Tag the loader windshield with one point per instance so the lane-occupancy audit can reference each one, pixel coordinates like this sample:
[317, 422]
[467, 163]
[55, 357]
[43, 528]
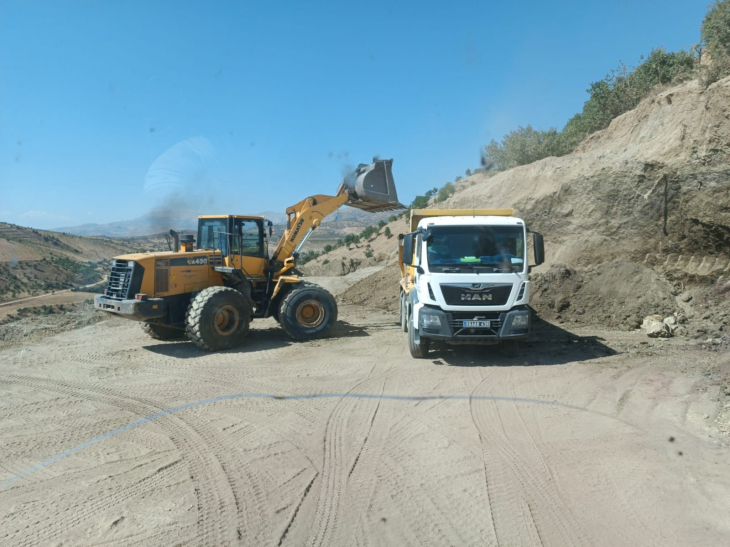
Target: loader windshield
[485, 248]
[207, 228]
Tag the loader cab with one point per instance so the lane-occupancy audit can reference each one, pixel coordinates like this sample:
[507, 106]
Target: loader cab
[233, 234]
[240, 240]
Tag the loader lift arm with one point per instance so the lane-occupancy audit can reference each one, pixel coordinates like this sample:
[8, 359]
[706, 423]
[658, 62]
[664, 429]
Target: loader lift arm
[369, 188]
[302, 219]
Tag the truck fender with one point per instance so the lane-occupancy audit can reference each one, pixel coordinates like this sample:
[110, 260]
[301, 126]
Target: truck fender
[412, 299]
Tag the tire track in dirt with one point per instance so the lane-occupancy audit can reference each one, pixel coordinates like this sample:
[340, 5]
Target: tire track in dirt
[331, 508]
[518, 489]
[98, 499]
[212, 484]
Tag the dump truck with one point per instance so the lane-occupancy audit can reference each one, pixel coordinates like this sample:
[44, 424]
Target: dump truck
[210, 289]
[465, 278]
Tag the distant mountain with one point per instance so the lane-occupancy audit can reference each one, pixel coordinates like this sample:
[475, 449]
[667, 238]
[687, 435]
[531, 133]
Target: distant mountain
[151, 223]
[161, 221]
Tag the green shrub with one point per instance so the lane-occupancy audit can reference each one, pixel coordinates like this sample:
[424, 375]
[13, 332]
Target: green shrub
[308, 256]
[381, 224]
[368, 253]
[392, 218]
[620, 91]
[387, 232]
[351, 239]
[715, 33]
[447, 190]
[368, 232]
[325, 262]
[328, 248]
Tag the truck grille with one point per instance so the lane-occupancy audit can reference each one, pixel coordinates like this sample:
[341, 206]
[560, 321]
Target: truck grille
[477, 294]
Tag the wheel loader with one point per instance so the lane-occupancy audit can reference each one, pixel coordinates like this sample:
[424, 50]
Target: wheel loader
[210, 292]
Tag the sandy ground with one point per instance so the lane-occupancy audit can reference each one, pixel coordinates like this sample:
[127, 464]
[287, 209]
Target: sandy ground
[108, 437]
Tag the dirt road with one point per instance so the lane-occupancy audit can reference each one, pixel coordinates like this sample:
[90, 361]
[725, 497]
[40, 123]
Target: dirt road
[109, 437]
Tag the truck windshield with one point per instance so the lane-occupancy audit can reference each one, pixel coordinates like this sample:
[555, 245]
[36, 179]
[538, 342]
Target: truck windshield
[486, 248]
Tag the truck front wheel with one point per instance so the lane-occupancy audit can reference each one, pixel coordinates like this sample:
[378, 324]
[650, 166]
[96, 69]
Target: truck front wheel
[419, 346]
[218, 318]
[511, 348]
[307, 312]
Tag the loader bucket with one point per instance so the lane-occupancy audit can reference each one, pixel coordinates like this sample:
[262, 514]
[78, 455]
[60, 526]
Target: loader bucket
[371, 187]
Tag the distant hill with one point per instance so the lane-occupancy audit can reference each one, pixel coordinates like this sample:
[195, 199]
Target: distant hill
[38, 261]
[161, 221]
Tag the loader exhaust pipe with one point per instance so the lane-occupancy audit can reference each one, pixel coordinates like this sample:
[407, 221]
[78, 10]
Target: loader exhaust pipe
[371, 187]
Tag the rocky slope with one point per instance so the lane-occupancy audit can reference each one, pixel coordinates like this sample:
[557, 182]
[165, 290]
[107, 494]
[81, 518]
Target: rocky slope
[654, 188]
[636, 220]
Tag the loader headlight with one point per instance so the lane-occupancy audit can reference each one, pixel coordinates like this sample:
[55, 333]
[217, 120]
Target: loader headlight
[520, 321]
[431, 321]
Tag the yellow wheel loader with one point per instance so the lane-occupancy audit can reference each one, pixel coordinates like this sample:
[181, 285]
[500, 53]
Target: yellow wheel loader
[210, 292]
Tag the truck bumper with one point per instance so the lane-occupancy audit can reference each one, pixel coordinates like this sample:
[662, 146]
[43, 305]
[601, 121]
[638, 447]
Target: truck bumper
[510, 325]
[132, 309]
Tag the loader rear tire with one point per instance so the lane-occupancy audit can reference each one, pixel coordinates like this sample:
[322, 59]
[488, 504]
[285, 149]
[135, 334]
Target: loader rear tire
[307, 312]
[418, 346]
[163, 332]
[218, 318]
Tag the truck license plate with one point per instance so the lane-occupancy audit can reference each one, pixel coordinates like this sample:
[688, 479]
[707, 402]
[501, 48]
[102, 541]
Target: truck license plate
[477, 324]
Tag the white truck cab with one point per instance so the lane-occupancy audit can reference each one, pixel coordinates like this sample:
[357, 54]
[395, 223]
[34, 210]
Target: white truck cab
[465, 278]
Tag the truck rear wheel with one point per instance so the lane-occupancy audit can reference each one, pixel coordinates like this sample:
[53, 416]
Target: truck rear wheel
[307, 312]
[218, 318]
[419, 346]
[511, 348]
[163, 332]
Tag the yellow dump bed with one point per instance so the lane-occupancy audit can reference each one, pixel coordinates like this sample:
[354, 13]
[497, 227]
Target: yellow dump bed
[418, 214]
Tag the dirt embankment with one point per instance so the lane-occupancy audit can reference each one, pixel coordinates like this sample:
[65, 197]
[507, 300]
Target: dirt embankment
[653, 188]
[637, 220]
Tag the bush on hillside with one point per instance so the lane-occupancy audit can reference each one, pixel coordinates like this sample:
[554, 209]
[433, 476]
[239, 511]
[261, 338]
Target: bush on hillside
[620, 91]
[447, 190]
[716, 41]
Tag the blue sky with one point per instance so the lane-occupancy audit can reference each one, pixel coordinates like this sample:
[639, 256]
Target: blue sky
[107, 108]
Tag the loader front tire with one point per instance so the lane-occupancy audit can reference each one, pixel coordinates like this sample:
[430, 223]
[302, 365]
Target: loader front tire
[307, 312]
[162, 332]
[218, 318]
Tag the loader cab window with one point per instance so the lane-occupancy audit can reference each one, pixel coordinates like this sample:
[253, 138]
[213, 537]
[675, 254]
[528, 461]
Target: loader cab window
[251, 240]
[207, 229]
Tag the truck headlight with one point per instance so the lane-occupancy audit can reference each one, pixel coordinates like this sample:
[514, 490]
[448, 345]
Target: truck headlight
[520, 321]
[430, 321]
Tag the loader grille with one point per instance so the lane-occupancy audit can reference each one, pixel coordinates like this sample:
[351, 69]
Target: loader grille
[124, 280]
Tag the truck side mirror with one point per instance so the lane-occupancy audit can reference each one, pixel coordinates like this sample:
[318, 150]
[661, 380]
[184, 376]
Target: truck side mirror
[271, 227]
[408, 249]
[539, 246]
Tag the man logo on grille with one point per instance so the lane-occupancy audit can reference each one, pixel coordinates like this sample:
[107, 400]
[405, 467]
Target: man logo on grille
[477, 296]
